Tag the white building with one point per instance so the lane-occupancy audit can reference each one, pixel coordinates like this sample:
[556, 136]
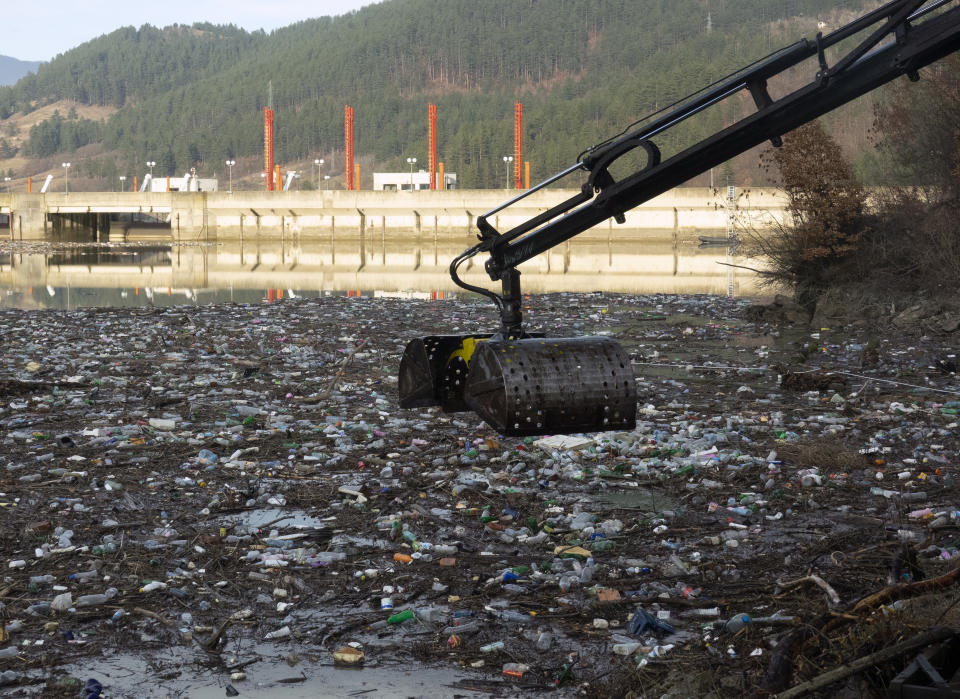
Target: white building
[187, 183]
[407, 181]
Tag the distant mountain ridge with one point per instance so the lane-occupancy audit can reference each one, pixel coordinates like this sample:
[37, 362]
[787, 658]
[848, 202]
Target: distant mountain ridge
[12, 69]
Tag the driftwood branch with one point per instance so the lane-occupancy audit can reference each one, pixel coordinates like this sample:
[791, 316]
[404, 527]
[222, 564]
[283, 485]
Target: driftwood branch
[832, 595]
[893, 593]
[323, 395]
[153, 615]
[211, 643]
[781, 663]
[838, 673]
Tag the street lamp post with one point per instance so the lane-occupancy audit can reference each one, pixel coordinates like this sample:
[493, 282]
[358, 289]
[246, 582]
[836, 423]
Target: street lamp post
[507, 159]
[123, 180]
[230, 164]
[411, 162]
[318, 162]
[66, 178]
[6, 184]
[151, 164]
[325, 178]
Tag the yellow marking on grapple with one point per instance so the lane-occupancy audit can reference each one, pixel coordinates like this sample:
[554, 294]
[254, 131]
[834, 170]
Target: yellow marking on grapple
[466, 350]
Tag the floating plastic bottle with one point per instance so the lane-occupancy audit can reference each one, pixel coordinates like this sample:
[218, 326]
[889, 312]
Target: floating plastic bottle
[400, 617]
[626, 648]
[737, 622]
[95, 600]
[515, 617]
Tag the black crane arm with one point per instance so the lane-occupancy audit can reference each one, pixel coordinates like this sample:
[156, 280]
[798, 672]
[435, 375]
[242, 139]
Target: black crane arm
[524, 385]
[916, 33]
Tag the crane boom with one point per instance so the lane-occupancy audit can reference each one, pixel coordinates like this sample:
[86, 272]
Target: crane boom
[526, 385]
[915, 44]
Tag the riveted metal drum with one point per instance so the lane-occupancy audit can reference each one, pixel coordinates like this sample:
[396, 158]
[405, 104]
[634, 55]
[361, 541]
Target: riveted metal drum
[552, 385]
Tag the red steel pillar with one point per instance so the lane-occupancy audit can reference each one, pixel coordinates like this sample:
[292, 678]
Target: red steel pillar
[517, 145]
[432, 143]
[348, 143]
[268, 147]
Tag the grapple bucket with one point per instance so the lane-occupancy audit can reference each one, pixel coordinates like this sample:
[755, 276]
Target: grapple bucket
[433, 371]
[552, 385]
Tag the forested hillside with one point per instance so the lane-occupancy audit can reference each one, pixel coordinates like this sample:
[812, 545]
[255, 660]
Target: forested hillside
[193, 96]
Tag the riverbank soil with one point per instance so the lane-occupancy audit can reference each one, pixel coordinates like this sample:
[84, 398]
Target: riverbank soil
[218, 500]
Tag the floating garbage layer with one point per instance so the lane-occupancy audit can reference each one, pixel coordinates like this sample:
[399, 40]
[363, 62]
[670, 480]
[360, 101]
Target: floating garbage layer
[232, 495]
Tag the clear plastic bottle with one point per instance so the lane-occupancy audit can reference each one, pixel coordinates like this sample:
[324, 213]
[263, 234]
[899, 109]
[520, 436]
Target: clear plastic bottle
[431, 614]
[626, 648]
[95, 600]
[38, 609]
[467, 629]
[155, 585]
[515, 617]
[82, 576]
[737, 622]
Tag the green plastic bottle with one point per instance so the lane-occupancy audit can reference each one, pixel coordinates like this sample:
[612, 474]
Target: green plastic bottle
[400, 617]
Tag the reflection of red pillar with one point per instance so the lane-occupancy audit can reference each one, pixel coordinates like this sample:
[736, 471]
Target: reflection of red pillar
[271, 295]
[268, 146]
[432, 143]
[29, 185]
[280, 294]
[348, 143]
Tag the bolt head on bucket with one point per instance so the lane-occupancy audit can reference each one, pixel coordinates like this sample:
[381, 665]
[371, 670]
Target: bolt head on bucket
[552, 386]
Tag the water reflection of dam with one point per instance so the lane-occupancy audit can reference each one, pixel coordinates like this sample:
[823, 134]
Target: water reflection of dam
[387, 263]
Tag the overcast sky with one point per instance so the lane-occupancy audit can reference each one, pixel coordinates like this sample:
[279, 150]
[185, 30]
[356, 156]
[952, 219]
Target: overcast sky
[38, 30]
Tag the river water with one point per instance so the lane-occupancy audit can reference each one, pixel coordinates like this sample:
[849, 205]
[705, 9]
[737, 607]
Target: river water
[66, 275]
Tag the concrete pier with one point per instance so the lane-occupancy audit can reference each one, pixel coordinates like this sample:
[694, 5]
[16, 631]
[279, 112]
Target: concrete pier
[450, 214]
